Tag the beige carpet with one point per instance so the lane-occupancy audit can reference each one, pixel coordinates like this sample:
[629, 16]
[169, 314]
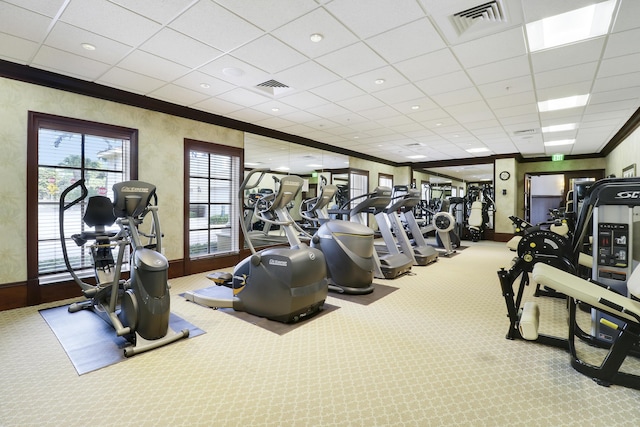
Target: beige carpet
[431, 353]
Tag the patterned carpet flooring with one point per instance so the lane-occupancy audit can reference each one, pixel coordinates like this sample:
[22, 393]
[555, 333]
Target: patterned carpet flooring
[431, 353]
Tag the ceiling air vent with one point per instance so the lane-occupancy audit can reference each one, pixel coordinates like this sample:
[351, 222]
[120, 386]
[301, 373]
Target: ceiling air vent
[273, 87]
[524, 132]
[492, 11]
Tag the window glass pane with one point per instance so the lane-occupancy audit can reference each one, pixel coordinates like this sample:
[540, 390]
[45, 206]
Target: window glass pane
[220, 191]
[221, 240]
[220, 166]
[219, 217]
[198, 164]
[58, 148]
[103, 153]
[198, 217]
[198, 190]
[198, 243]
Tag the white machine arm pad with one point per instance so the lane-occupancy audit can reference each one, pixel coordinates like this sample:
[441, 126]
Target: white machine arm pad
[587, 292]
[585, 260]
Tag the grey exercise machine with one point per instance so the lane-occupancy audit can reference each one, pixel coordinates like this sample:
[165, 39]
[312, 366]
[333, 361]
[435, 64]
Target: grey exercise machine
[391, 262]
[347, 246]
[281, 284]
[137, 308]
[611, 294]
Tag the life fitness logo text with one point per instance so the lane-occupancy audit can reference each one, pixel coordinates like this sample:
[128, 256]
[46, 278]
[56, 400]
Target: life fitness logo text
[628, 195]
[134, 190]
[277, 262]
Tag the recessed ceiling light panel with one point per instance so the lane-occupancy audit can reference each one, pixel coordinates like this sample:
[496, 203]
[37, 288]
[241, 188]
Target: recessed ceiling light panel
[559, 142]
[570, 27]
[563, 103]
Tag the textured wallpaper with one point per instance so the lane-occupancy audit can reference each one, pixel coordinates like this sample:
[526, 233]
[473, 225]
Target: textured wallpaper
[160, 155]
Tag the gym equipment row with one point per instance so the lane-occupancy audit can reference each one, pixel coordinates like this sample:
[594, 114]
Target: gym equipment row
[610, 293]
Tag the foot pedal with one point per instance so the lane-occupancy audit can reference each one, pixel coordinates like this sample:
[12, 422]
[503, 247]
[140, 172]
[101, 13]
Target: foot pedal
[529, 321]
[220, 277]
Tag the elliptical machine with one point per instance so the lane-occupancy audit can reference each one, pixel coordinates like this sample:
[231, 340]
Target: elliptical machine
[138, 308]
[281, 284]
[347, 246]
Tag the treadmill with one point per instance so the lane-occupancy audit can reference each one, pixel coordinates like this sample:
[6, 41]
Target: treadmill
[404, 200]
[390, 263]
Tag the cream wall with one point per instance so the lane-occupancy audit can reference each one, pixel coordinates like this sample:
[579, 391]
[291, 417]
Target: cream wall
[160, 153]
[625, 154]
[506, 204]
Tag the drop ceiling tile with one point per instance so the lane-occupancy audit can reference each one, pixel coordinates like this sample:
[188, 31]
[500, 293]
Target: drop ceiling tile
[512, 100]
[619, 82]
[301, 117]
[413, 105]
[506, 87]
[631, 95]
[445, 83]
[243, 96]
[180, 49]
[342, 61]
[229, 30]
[408, 41]
[457, 97]
[429, 65]
[399, 94]
[242, 74]
[17, 50]
[569, 55]
[150, 9]
[571, 89]
[625, 43]
[69, 38]
[516, 110]
[303, 100]
[195, 79]
[269, 54]
[491, 49]
[276, 14]
[23, 23]
[307, 75]
[296, 34]
[367, 81]
[123, 25]
[150, 65]
[360, 103]
[381, 15]
[47, 8]
[627, 17]
[619, 65]
[562, 76]
[328, 110]
[178, 95]
[234, 111]
[338, 91]
[501, 70]
[69, 64]
[130, 81]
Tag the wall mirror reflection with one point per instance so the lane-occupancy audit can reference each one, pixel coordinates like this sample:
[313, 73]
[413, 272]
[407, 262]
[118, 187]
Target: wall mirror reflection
[281, 158]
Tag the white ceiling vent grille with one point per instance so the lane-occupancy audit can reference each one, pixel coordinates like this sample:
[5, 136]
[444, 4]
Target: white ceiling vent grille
[490, 12]
[273, 87]
[524, 132]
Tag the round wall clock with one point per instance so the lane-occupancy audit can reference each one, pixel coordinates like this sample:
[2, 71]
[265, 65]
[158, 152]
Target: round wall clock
[504, 175]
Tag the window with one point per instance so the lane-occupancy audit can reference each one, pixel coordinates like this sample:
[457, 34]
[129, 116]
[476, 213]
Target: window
[61, 152]
[385, 180]
[358, 186]
[213, 205]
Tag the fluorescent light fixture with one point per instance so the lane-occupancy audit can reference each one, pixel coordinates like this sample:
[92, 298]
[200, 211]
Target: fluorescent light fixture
[563, 103]
[570, 27]
[477, 150]
[282, 168]
[559, 142]
[559, 128]
[417, 156]
[314, 166]
[251, 164]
